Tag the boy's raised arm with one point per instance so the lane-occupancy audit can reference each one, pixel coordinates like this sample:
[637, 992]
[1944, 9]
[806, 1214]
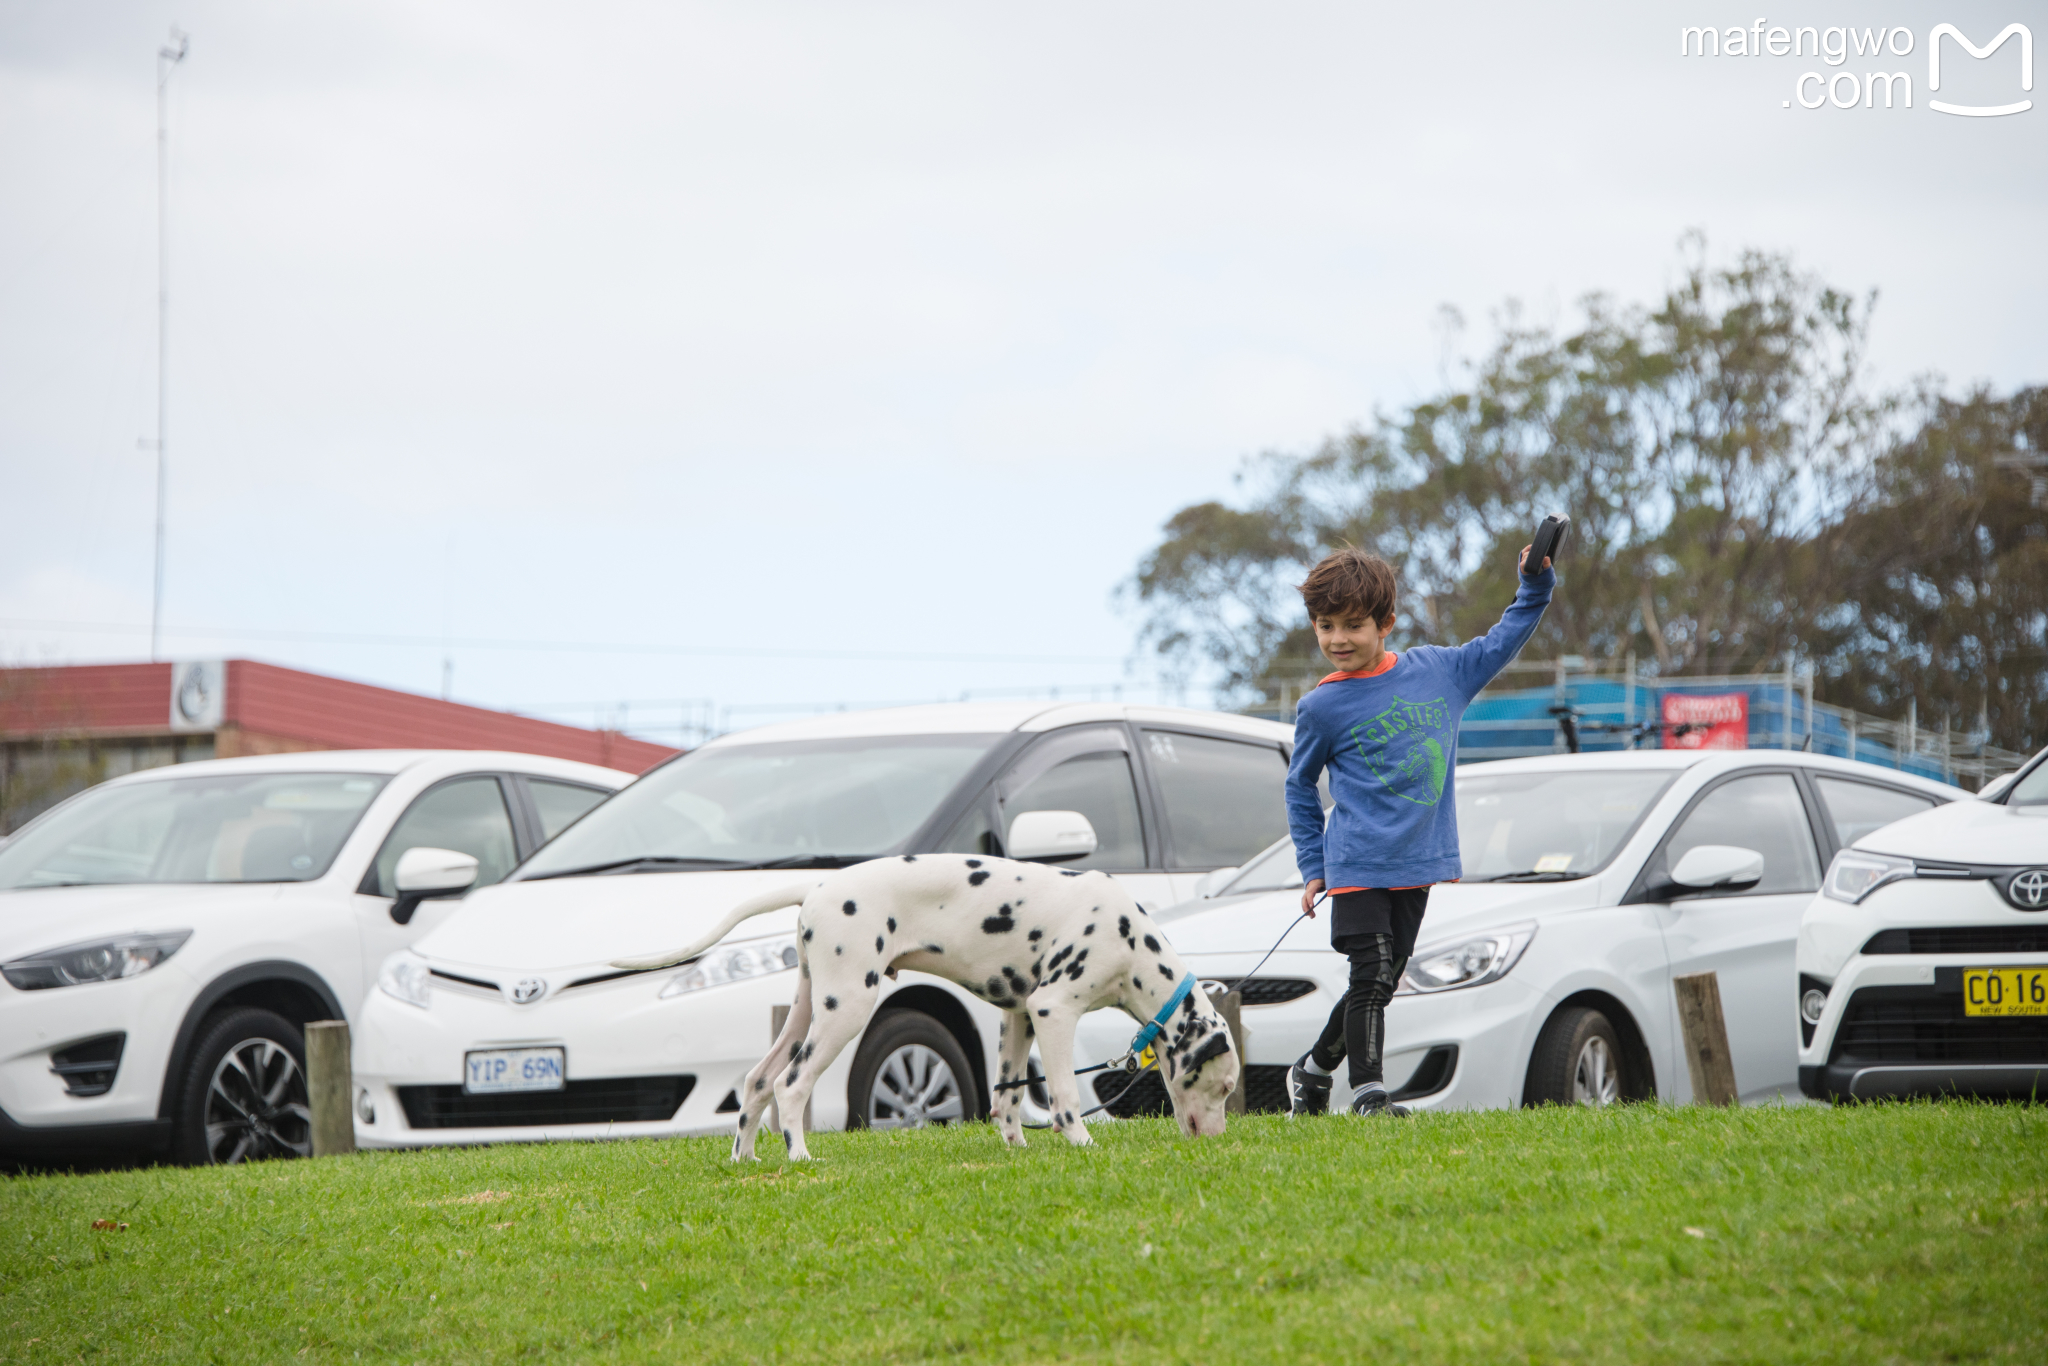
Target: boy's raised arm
[1477, 661]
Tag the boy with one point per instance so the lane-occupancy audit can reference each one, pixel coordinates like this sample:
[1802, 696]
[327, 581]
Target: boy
[1385, 726]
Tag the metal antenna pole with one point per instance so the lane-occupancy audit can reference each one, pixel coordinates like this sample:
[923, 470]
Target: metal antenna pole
[167, 58]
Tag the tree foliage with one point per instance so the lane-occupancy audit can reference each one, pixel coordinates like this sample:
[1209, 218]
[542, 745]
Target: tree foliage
[1738, 494]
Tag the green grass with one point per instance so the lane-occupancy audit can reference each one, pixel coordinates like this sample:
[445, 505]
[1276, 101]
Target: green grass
[1881, 1233]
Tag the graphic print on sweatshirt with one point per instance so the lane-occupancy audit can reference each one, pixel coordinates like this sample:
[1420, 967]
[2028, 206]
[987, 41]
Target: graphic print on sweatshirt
[1408, 747]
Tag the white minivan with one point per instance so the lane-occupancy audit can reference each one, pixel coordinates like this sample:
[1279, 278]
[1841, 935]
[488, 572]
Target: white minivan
[509, 1022]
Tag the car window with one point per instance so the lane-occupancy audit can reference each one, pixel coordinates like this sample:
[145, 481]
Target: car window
[1549, 824]
[1761, 812]
[840, 797]
[1098, 786]
[1272, 871]
[222, 827]
[468, 816]
[2032, 790]
[559, 804]
[1859, 808]
[1225, 800]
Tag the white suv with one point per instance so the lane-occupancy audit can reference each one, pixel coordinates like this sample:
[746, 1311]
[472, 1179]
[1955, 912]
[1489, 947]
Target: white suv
[165, 937]
[1923, 963]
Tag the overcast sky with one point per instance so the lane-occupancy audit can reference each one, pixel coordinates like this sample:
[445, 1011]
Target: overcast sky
[852, 352]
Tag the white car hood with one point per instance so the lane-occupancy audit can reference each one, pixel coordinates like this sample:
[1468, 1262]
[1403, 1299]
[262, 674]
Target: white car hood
[1250, 924]
[1967, 832]
[574, 922]
[39, 918]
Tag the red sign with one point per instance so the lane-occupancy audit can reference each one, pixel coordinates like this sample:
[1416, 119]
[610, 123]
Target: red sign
[1715, 721]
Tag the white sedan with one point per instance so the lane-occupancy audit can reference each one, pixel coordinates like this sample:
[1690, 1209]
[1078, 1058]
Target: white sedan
[1923, 964]
[165, 937]
[1545, 975]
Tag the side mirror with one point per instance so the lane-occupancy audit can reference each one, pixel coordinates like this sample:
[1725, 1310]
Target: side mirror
[1050, 837]
[1214, 882]
[1719, 867]
[424, 872]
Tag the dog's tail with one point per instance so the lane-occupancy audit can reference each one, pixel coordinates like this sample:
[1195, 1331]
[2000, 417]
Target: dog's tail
[746, 910]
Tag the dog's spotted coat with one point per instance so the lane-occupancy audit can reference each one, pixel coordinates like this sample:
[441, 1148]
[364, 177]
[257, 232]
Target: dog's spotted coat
[1021, 936]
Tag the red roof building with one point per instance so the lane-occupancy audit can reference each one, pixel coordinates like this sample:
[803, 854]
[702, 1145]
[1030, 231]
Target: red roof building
[64, 727]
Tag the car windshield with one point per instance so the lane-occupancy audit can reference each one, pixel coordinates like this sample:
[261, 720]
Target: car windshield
[1549, 825]
[2032, 790]
[247, 827]
[748, 805]
[1271, 871]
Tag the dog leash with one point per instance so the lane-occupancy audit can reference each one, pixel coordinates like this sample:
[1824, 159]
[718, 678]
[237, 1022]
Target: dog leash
[1283, 936]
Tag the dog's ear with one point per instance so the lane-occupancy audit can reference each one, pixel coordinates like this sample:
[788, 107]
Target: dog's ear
[1213, 1047]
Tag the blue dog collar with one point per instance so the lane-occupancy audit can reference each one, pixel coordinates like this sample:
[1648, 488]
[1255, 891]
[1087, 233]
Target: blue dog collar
[1158, 1025]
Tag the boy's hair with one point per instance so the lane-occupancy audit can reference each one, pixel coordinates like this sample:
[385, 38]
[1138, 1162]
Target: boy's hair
[1350, 582]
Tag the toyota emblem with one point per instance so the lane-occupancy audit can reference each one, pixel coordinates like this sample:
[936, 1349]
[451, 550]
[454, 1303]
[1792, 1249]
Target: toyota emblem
[527, 990]
[2028, 890]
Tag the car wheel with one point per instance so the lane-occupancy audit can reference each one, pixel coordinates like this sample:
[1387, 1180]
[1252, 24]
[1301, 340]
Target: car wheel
[244, 1097]
[908, 1073]
[1578, 1061]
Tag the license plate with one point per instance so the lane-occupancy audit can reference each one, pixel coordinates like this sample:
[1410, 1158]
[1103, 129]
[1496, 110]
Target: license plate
[513, 1069]
[2005, 991]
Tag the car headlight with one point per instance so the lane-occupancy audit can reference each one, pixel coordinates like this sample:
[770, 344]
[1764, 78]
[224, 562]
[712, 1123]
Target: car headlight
[1466, 963]
[1854, 874]
[100, 960]
[731, 962]
[406, 976]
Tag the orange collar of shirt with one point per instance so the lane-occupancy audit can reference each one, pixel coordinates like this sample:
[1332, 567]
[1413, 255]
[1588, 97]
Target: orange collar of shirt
[1375, 671]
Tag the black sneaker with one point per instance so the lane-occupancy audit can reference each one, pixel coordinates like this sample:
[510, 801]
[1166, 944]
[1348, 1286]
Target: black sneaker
[1307, 1093]
[1376, 1103]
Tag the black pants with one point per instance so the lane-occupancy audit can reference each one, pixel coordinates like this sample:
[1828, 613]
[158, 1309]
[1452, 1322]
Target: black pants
[1376, 930]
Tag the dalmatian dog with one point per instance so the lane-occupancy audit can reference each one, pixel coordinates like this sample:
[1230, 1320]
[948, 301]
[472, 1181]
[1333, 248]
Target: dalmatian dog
[1044, 945]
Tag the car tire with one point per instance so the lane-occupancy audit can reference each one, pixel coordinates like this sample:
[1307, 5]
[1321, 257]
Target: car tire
[909, 1072]
[1578, 1060]
[243, 1096]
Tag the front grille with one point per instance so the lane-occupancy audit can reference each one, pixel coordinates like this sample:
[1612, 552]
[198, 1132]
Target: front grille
[601, 1100]
[1927, 1024]
[1962, 939]
[1267, 991]
[1265, 1092]
[88, 1068]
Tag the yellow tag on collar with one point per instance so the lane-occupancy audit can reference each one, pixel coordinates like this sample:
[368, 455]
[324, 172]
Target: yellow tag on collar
[1146, 1058]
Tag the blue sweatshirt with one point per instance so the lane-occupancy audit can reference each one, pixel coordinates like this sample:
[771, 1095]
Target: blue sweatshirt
[1390, 744]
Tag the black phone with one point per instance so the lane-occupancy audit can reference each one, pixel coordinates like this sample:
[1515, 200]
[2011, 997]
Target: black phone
[1547, 544]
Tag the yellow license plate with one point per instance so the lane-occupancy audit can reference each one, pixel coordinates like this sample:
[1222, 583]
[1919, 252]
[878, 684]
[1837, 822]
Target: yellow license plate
[2005, 991]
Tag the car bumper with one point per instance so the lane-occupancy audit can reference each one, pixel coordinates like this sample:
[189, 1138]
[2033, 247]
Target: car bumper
[1454, 1050]
[1894, 1023]
[625, 1051]
[145, 1010]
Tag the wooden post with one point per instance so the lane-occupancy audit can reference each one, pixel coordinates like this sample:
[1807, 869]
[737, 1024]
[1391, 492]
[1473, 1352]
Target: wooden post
[329, 1088]
[1705, 1032]
[1230, 1005]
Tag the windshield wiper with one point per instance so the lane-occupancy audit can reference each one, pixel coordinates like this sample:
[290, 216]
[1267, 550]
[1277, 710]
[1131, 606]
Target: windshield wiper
[814, 861]
[642, 863]
[1531, 875]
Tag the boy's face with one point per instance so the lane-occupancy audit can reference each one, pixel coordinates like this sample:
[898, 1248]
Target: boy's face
[1352, 640]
